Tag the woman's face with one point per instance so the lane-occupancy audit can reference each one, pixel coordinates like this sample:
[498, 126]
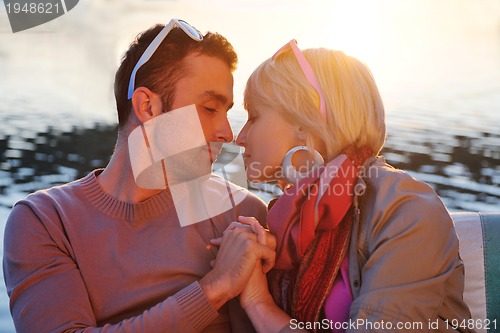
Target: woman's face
[266, 137]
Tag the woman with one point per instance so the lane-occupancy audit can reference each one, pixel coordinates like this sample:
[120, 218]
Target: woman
[361, 246]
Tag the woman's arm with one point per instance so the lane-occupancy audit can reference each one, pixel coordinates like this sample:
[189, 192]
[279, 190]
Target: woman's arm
[256, 299]
[259, 305]
[411, 273]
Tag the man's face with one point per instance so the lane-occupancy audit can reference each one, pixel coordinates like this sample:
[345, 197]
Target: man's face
[209, 85]
[184, 141]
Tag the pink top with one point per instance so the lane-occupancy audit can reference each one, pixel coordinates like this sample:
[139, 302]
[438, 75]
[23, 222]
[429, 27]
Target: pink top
[339, 300]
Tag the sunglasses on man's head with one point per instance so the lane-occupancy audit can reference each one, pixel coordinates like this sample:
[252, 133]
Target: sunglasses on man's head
[306, 68]
[150, 50]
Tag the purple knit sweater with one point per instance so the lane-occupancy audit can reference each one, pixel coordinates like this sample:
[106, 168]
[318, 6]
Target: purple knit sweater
[78, 260]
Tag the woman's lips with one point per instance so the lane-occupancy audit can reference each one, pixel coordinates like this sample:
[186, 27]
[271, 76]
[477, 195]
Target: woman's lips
[246, 157]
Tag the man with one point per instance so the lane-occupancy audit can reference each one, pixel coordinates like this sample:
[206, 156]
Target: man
[103, 254]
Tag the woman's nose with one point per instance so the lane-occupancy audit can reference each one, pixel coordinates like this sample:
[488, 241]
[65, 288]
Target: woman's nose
[242, 137]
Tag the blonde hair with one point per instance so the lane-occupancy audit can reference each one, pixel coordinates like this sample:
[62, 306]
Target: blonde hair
[355, 113]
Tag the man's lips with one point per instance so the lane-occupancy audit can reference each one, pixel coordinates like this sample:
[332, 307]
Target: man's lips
[214, 149]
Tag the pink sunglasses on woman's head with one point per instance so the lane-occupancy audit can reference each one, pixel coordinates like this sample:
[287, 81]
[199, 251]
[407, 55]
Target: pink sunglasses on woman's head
[306, 68]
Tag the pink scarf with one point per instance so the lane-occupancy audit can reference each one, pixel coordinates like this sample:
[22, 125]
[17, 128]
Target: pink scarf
[312, 222]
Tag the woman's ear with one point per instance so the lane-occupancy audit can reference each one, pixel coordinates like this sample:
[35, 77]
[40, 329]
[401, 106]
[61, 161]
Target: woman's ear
[301, 135]
[146, 104]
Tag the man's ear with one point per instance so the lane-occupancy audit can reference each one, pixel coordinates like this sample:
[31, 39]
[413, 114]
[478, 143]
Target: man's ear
[146, 104]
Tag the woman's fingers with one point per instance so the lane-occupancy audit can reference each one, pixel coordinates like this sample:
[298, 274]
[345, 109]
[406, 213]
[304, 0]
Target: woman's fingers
[236, 224]
[268, 258]
[255, 227]
[216, 241]
[263, 235]
[265, 242]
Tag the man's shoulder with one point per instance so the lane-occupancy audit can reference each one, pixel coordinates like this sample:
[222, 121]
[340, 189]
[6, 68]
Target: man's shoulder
[47, 207]
[247, 203]
[56, 195]
[254, 202]
[237, 188]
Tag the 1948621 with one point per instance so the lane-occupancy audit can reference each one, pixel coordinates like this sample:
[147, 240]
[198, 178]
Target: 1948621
[33, 8]
[476, 324]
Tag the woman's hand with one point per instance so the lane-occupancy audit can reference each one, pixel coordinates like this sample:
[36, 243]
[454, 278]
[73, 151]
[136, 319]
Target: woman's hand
[240, 250]
[264, 237]
[256, 291]
[255, 298]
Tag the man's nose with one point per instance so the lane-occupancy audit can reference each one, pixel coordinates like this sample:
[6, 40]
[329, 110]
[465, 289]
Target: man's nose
[225, 133]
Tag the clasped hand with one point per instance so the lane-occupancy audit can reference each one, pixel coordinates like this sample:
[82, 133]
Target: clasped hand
[246, 254]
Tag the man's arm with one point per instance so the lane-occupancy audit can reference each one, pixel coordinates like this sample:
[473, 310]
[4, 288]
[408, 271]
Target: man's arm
[48, 293]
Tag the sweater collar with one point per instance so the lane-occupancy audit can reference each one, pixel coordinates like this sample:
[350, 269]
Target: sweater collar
[123, 210]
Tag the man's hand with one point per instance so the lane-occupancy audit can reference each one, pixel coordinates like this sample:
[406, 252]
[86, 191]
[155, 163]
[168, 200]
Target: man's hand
[240, 250]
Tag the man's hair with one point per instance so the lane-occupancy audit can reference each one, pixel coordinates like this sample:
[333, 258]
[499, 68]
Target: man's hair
[161, 73]
[354, 110]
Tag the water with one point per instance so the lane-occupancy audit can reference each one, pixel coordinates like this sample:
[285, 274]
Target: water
[437, 63]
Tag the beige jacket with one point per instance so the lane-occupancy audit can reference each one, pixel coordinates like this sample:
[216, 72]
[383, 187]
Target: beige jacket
[404, 266]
